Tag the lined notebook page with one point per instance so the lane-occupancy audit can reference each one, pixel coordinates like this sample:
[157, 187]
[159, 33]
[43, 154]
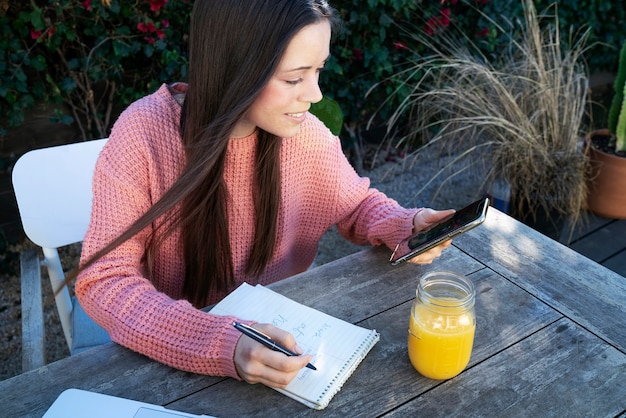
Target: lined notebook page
[337, 346]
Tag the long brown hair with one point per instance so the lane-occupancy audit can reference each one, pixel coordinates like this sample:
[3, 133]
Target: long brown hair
[235, 48]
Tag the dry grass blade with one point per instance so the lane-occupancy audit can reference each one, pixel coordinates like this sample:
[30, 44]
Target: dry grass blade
[520, 116]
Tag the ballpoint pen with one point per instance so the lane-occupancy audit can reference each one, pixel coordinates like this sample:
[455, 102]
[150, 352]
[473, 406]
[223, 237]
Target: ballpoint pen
[266, 340]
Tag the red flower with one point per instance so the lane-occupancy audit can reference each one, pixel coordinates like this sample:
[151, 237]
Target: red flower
[146, 27]
[35, 34]
[482, 32]
[165, 23]
[358, 54]
[150, 27]
[445, 17]
[87, 5]
[156, 5]
[438, 23]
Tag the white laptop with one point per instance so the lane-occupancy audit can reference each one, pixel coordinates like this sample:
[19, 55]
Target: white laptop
[76, 403]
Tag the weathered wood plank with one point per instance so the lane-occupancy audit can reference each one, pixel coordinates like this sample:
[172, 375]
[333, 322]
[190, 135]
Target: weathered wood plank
[587, 225]
[571, 283]
[604, 242]
[109, 369]
[33, 332]
[617, 263]
[562, 370]
[363, 276]
[529, 283]
[131, 375]
[505, 315]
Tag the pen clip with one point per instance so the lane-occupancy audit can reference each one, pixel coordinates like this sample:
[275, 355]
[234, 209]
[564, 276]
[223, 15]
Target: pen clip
[252, 331]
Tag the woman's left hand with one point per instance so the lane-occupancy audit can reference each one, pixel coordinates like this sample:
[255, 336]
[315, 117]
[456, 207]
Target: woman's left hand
[422, 220]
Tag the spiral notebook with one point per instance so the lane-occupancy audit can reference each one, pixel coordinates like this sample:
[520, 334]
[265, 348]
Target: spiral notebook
[337, 346]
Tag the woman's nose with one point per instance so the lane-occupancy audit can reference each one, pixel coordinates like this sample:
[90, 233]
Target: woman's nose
[312, 92]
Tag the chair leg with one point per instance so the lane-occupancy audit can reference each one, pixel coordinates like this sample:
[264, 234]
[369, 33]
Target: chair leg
[33, 337]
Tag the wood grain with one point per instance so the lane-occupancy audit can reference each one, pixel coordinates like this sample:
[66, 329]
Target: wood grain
[550, 341]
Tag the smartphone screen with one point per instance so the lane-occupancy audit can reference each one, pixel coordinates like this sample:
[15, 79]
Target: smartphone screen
[461, 221]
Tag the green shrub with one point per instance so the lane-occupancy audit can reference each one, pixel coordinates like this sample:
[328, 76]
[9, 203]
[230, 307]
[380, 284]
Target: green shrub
[375, 44]
[606, 21]
[95, 57]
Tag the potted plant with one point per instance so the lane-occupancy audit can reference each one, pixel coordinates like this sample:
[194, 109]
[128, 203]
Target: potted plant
[607, 155]
[516, 119]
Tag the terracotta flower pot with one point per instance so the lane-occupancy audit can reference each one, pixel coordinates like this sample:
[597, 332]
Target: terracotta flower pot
[607, 182]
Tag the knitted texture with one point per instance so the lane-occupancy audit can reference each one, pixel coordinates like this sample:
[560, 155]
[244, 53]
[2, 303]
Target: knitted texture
[140, 162]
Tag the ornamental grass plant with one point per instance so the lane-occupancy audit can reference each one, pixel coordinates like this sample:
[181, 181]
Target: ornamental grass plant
[516, 118]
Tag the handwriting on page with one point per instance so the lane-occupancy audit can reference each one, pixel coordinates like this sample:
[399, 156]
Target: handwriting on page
[299, 330]
[263, 305]
[336, 345]
[320, 331]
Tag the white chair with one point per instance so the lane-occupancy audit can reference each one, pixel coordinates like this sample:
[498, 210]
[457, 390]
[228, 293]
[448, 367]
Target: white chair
[53, 191]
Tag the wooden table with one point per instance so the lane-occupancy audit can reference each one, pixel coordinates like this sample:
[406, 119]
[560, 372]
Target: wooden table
[550, 341]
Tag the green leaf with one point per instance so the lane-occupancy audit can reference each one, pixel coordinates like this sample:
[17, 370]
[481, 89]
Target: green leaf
[38, 62]
[121, 48]
[37, 20]
[329, 112]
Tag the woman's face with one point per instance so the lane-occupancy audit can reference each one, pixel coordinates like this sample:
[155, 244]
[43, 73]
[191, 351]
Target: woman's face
[283, 103]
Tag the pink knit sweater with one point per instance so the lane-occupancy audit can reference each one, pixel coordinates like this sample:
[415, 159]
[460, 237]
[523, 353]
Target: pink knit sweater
[141, 161]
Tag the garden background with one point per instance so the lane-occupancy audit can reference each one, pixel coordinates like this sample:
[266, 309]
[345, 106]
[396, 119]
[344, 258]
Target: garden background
[68, 67]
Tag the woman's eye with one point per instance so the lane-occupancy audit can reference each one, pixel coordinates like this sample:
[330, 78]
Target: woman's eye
[294, 82]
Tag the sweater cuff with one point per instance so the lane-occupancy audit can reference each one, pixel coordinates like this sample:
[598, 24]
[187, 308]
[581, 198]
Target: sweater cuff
[403, 227]
[231, 337]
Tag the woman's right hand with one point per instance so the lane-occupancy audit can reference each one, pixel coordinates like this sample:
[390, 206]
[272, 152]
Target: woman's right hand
[256, 363]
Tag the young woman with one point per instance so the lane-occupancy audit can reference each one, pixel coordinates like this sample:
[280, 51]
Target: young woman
[226, 179]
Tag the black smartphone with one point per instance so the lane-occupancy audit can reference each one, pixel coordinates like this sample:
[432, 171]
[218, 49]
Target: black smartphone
[461, 221]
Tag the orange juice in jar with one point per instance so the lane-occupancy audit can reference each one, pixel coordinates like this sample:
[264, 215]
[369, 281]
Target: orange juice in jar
[442, 325]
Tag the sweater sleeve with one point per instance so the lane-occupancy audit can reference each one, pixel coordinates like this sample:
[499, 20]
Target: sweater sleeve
[368, 216]
[116, 291]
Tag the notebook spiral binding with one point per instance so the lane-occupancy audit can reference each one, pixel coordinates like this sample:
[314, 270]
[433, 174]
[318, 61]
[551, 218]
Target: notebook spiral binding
[344, 373]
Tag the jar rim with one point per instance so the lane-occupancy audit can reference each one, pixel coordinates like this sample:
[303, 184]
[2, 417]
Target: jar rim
[446, 289]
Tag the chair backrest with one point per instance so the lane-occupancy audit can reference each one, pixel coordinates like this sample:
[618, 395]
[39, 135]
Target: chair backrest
[53, 192]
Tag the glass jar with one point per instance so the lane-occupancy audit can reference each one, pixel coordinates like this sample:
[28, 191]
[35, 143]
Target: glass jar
[442, 325]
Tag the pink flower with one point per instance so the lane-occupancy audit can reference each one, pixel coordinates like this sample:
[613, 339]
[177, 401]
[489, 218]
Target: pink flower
[87, 5]
[160, 33]
[445, 17]
[35, 34]
[156, 5]
[165, 23]
[146, 27]
[482, 32]
[437, 23]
